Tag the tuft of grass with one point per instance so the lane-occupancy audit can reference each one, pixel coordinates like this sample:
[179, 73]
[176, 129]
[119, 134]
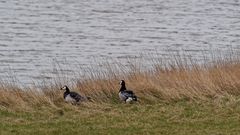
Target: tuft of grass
[178, 79]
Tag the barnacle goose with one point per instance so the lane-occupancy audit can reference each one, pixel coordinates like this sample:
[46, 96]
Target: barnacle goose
[72, 97]
[126, 95]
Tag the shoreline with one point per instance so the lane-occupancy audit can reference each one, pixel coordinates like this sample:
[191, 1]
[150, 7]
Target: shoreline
[174, 80]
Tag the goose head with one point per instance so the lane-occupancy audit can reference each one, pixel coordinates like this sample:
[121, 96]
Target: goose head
[123, 87]
[65, 87]
[122, 82]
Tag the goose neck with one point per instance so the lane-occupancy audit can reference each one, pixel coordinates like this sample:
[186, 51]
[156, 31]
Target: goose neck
[123, 87]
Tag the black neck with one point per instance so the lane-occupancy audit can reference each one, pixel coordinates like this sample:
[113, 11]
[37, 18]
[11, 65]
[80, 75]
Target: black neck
[123, 87]
[66, 92]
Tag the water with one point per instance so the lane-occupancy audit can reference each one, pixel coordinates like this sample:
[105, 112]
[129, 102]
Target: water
[34, 34]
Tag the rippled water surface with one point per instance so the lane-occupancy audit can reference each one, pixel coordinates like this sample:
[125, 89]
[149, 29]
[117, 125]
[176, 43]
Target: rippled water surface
[34, 34]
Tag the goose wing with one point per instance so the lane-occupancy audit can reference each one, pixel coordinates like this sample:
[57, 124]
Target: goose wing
[128, 93]
[75, 96]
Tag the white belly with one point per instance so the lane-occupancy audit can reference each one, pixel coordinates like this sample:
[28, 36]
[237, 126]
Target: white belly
[122, 97]
[68, 98]
[129, 100]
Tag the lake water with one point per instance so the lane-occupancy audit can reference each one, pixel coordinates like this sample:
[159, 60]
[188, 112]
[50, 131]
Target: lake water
[35, 35]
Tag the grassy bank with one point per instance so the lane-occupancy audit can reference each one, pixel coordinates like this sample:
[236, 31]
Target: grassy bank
[176, 96]
[181, 118]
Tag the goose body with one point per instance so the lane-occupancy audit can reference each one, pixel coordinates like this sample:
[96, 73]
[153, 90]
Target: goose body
[126, 95]
[71, 97]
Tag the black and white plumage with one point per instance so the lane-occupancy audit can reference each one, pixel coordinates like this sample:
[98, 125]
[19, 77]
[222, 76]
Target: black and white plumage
[72, 97]
[126, 95]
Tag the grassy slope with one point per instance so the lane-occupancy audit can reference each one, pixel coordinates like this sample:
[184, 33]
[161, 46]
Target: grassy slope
[180, 98]
[162, 118]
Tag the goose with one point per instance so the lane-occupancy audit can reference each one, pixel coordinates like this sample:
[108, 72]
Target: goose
[72, 97]
[126, 95]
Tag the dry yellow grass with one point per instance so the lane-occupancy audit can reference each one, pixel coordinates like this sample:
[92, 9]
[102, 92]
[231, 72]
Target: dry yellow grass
[180, 79]
[165, 81]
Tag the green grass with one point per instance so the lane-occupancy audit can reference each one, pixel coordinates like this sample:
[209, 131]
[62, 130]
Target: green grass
[182, 117]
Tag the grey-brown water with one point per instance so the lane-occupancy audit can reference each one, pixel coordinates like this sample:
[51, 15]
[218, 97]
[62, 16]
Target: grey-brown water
[36, 33]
